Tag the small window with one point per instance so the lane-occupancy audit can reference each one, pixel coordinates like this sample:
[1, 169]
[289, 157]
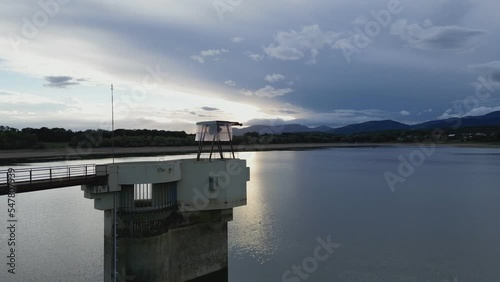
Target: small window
[143, 195]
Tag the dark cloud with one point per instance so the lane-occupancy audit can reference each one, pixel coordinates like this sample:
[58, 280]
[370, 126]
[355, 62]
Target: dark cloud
[495, 76]
[62, 81]
[452, 11]
[451, 38]
[209, 109]
[491, 70]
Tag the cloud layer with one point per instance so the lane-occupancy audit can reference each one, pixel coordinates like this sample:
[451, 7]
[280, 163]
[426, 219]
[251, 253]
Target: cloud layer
[175, 63]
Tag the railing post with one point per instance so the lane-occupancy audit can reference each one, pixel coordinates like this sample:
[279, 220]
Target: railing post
[69, 172]
[50, 173]
[31, 174]
[85, 171]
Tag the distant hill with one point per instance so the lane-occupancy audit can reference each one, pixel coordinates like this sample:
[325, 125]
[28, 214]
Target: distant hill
[371, 126]
[277, 129]
[491, 119]
[322, 128]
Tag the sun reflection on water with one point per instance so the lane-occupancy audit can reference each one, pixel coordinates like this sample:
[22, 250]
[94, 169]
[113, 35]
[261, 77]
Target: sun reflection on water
[254, 231]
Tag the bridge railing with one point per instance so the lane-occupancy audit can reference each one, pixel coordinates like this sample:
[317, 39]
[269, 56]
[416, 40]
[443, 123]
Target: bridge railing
[54, 173]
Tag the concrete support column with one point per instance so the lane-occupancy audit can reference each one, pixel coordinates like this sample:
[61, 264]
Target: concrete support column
[108, 246]
[152, 248]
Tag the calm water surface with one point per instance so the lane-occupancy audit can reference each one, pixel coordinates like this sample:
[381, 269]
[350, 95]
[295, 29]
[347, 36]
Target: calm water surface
[441, 224]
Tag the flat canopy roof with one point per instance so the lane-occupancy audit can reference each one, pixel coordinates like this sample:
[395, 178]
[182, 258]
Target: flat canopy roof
[219, 122]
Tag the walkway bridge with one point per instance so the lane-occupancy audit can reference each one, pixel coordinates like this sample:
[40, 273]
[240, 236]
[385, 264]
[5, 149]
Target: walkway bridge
[32, 179]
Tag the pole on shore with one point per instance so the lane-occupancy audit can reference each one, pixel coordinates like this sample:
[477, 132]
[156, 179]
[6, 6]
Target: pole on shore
[115, 272]
[112, 123]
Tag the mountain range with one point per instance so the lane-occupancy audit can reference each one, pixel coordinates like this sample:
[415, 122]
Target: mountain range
[491, 119]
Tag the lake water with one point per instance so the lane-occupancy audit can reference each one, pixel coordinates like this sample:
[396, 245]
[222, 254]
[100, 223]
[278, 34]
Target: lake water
[441, 224]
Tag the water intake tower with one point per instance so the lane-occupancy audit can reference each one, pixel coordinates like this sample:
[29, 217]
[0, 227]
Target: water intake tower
[168, 220]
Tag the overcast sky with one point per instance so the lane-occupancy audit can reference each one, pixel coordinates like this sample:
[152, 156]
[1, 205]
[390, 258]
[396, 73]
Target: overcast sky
[173, 63]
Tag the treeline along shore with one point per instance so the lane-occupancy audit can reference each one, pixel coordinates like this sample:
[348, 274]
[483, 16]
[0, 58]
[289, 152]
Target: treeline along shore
[26, 143]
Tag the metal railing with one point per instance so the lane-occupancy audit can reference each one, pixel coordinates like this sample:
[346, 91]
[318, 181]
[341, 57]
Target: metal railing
[54, 173]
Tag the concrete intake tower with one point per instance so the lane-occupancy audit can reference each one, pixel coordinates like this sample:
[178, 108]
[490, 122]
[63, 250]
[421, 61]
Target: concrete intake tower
[168, 220]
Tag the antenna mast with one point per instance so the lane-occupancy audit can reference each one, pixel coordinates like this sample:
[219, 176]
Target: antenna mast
[115, 273]
[112, 123]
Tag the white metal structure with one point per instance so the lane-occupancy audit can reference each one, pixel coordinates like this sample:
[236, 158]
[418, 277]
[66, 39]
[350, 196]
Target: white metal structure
[215, 132]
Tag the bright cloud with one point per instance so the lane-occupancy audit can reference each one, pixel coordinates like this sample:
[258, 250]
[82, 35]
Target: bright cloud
[230, 83]
[295, 45]
[254, 56]
[200, 58]
[237, 39]
[268, 92]
[274, 77]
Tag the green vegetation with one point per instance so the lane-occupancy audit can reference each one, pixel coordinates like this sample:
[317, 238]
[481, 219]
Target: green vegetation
[12, 138]
[38, 138]
[461, 135]
[53, 138]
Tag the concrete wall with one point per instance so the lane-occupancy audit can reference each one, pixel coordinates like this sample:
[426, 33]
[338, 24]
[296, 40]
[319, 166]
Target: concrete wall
[201, 185]
[142, 173]
[180, 254]
[212, 185]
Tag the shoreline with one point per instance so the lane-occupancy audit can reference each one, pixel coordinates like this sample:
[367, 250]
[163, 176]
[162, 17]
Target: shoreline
[45, 155]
